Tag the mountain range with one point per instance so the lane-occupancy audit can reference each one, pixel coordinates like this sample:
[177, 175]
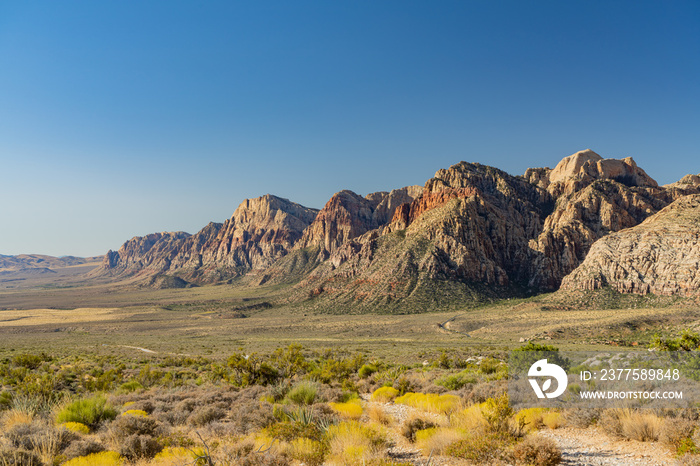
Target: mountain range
[472, 232]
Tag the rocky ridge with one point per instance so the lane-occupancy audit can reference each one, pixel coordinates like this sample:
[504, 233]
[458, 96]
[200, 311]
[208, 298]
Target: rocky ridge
[660, 256]
[259, 232]
[470, 232]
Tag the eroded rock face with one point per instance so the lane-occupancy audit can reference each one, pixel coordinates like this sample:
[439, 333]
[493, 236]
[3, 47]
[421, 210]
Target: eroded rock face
[259, 232]
[659, 256]
[594, 196]
[348, 215]
[471, 224]
[581, 218]
[153, 251]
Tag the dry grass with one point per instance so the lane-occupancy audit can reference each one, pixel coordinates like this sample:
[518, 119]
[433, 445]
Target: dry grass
[14, 417]
[633, 425]
[352, 443]
[431, 402]
[470, 418]
[378, 415]
[436, 439]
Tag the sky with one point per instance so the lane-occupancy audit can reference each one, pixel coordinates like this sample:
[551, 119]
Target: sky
[119, 119]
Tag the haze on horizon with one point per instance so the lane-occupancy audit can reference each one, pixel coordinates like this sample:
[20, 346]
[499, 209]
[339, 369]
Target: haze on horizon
[122, 119]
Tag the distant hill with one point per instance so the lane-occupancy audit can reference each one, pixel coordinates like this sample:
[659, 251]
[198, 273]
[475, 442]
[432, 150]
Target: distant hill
[471, 233]
[28, 270]
[37, 261]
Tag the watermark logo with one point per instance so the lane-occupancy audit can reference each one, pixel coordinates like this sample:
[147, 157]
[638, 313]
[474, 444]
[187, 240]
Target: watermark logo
[543, 369]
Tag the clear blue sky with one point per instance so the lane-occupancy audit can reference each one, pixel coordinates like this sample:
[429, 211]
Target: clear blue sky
[123, 118]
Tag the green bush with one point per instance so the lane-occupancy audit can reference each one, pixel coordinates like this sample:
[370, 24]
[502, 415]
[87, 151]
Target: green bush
[89, 411]
[304, 393]
[30, 361]
[367, 370]
[130, 386]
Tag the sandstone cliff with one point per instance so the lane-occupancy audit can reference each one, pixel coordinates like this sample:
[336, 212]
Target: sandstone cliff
[348, 215]
[659, 256]
[594, 196]
[465, 237]
[259, 232]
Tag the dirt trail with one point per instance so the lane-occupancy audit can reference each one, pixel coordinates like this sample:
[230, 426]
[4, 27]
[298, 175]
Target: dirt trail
[580, 447]
[592, 447]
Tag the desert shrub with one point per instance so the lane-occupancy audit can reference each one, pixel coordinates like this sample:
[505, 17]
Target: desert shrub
[43, 439]
[676, 431]
[413, 425]
[435, 440]
[458, 381]
[367, 370]
[536, 418]
[553, 419]
[105, 458]
[352, 443]
[385, 394]
[76, 427]
[130, 386]
[257, 417]
[28, 361]
[470, 418]
[377, 414]
[531, 418]
[582, 418]
[304, 393]
[537, 451]
[489, 365]
[629, 424]
[14, 457]
[142, 405]
[481, 447]
[21, 435]
[82, 448]
[290, 430]
[135, 412]
[89, 411]
[432, 402]
[485, 390]
[307, 451]
[205, 415]
[687, 446]
[5, 400]
[497, 413]
[15, 417]
[126, 426]
[139, 446]
[351, 409]
[251, 370]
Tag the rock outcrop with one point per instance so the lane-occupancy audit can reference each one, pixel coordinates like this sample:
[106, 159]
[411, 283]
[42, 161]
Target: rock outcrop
[348, 215]
[259, 232]
[594, 196]
[659, 256]
[466, 234]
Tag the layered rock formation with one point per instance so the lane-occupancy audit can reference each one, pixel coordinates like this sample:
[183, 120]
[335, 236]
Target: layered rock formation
[259, 232]
[659, 256]
[471, 231]
[348, 215]
[594, 196]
